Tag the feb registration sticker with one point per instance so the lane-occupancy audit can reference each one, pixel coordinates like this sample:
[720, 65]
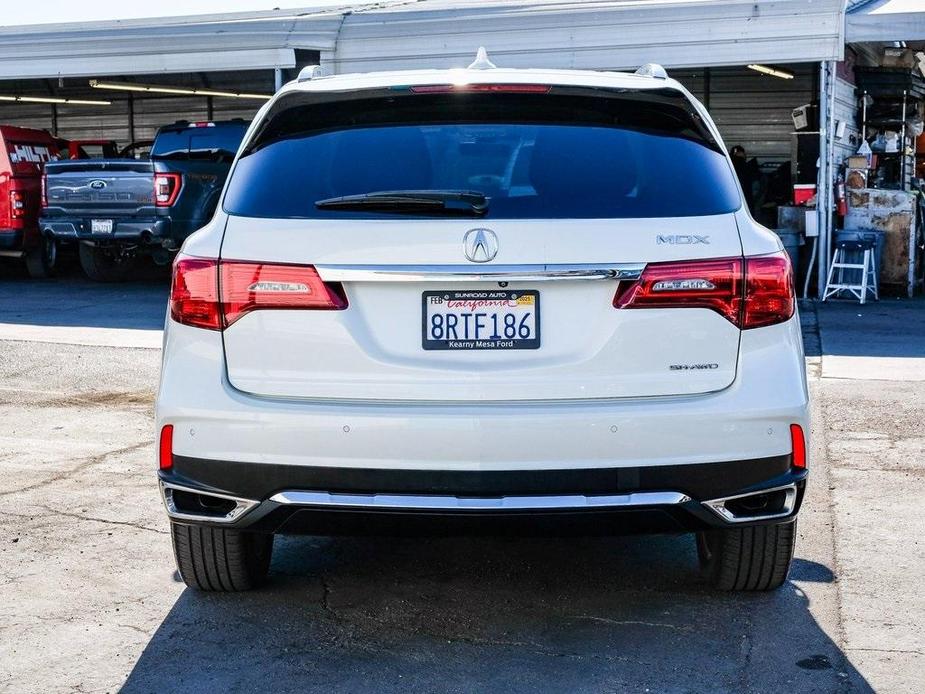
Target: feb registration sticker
[496, 319]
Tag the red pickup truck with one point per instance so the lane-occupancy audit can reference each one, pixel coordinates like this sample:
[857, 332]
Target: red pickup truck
[23, 153]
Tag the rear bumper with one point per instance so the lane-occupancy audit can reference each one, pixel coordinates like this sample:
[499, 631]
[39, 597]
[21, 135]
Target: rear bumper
[326, 501]
[136, 230]
[488, 467]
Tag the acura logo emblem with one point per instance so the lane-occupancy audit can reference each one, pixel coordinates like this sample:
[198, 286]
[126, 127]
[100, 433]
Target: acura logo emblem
[480, 245]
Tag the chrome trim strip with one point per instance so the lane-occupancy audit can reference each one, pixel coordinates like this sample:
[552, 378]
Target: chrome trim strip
[468, 273]
[718, 506]
[427, 502]
[242, 506]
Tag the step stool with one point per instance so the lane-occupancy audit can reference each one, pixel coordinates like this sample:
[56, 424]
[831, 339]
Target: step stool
[868, 281]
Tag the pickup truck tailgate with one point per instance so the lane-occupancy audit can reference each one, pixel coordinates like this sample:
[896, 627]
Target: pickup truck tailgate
[100, 186]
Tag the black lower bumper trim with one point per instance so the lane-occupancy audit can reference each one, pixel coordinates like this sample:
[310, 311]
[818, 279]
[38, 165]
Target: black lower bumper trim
[700, 482]
[563, 523]
[260, 481]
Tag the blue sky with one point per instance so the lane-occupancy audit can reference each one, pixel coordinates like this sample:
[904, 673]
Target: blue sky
[49, 11]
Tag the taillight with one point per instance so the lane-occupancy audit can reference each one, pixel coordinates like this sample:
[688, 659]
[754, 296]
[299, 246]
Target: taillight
[769, 293]
[249, 287]
[214, 294]
[749, 292]
[798, 443]
[165, 449]
[712, 284]
[166, 188]
[194, 293]
[17, 204]
[44, 190]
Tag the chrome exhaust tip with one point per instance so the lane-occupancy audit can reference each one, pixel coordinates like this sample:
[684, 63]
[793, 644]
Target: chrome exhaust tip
[185, 503]
[777, 502]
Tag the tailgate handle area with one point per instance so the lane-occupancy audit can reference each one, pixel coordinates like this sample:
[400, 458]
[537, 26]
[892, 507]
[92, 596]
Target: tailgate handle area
[468, 273]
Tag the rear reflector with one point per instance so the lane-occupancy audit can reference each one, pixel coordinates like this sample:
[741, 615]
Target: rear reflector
[798, 443]
[748, 292]
[468, 88]
[212, 294]
[165, 449]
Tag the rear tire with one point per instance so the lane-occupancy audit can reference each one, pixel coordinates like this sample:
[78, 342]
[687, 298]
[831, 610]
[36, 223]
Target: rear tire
[220, 559]
[41, 260]
[100, 265]
[747, 559]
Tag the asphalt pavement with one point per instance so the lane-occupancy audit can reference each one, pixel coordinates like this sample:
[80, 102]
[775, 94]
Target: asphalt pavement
[90, 601]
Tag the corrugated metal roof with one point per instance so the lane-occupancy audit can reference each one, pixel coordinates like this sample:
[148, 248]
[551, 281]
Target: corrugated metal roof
[602, 34]
[885, 20]
[172, 44]
[596, 34]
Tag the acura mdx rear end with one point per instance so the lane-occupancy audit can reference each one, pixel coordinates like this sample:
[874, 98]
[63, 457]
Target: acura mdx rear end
[482, 300]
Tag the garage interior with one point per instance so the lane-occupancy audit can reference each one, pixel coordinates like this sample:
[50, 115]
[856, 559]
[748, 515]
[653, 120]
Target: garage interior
[751, 109]
[135, 115]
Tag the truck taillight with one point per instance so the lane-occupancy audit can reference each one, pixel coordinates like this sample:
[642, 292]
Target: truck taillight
[166, 188]
[44, 190]
[213, 294]
[749, 292]
[17, 204]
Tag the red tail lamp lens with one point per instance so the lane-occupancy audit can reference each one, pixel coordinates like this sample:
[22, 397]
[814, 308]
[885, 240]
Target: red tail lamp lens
[167, 188]
[799, 446]
[749, 292]
[769, 293]
[165, 450]
[213, 294]
[249, 287]
[194, 294]
[712, 284]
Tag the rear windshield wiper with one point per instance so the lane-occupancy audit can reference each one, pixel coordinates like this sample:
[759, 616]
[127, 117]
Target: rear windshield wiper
[452, 202]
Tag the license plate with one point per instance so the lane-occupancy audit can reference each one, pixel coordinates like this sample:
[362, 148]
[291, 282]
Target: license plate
[495, 319]
[101, 226]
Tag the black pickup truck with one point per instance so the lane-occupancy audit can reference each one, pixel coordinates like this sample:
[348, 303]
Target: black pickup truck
[118, 209]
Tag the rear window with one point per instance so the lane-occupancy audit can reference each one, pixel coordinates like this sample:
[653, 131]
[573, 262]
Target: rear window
[218, 142]
[563, 154]
[30, 157]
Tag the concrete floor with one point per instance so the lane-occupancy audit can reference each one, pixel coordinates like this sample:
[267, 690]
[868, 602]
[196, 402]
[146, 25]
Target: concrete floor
[90, 602]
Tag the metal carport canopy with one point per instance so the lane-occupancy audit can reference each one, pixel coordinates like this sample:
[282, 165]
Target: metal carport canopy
[208, 43]
[885, 20]
[596, 34]
[396, 34]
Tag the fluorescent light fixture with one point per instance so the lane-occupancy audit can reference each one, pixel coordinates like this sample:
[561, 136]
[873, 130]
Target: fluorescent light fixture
[156, 89]
[773, 71]
[55, 100]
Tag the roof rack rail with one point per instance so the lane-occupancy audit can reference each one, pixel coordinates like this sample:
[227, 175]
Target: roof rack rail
[652, 70]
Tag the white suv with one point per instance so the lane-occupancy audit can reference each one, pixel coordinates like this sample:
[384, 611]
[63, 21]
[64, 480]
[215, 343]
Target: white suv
[482, 300]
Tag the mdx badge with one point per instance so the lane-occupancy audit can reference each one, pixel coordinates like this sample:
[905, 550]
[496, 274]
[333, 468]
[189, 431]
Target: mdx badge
[480, 245]
[681, 239]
